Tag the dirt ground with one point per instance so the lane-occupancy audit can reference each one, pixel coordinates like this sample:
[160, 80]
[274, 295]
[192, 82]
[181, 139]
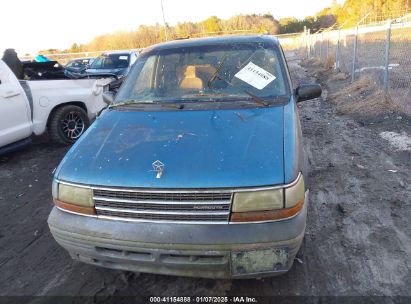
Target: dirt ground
[358, 237]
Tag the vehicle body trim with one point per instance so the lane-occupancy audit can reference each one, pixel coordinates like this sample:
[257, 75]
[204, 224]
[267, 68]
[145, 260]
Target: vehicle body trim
[176, 190]
[124, 219]
[150, 211]
[157, 202]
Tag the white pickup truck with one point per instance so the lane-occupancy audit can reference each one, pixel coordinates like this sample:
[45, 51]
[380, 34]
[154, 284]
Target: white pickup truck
[64, 108]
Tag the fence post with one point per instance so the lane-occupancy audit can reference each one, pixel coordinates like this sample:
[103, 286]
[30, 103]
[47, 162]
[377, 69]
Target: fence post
[313, 45]
[337, 52]
[314, 41]
[310, 42]
[306, 43]
[328, 44]
[387, 57]
[321, 46]
[354, 55]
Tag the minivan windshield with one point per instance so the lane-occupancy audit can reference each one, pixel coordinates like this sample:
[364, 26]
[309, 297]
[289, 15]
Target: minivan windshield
[111, 61]
[220, 72]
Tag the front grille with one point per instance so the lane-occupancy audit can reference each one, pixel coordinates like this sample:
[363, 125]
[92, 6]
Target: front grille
[187, 207]
[164, 196]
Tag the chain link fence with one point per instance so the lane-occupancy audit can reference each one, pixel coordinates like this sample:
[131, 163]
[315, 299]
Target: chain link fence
[381, 51]
[399, 78]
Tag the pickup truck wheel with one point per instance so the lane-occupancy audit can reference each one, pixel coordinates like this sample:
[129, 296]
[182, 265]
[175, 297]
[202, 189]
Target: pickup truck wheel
[67, 124]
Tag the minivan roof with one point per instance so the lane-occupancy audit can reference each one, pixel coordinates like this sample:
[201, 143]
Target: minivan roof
[213, 40]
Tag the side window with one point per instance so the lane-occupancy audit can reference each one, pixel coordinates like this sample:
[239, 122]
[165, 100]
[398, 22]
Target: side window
[145, 79]
[133, 59]
[97, 63]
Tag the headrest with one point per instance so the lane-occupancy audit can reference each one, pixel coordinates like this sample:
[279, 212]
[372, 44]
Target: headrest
[190, 72]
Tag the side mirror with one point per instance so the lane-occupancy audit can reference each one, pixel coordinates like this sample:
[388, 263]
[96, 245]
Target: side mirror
[108, 97]
[307, 91]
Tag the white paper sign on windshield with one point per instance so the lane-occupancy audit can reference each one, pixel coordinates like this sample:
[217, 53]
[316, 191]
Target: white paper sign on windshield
[255, 76]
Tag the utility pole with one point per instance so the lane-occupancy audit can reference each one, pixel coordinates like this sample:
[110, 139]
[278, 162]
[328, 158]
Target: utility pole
[164, 20]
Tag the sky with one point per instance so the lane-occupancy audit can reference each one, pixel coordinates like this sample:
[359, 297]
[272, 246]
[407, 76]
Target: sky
[29, 26]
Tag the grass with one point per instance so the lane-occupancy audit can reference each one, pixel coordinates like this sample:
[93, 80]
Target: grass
[363, 97]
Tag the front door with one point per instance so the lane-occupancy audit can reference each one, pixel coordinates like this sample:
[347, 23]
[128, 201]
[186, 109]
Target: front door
[15, 118]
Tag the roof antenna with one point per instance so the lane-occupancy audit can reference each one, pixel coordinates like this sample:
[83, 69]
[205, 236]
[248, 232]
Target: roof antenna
[164, 20]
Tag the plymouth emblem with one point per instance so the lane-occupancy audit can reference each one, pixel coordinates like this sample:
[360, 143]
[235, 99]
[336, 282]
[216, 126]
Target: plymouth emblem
[158, 166]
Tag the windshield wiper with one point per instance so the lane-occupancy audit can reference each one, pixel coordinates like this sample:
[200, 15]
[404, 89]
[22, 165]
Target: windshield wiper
[128, 102]
[215, 75]
[257, 99]
[178, 106]
[135, 102]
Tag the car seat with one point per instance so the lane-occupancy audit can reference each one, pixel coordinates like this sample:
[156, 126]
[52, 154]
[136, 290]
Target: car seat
[190, 80]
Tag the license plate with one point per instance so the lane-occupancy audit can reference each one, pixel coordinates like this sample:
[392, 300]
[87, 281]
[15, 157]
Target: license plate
[259, 261]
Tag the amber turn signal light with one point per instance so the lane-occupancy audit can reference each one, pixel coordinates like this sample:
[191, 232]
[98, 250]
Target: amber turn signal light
[268, 215]
[75, 208]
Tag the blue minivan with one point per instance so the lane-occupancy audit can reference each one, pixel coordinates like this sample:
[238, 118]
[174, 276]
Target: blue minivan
[196, 168]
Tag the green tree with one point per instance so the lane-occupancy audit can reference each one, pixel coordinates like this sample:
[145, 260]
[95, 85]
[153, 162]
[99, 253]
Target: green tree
[349, 13]
[211, 25]
[378, 10]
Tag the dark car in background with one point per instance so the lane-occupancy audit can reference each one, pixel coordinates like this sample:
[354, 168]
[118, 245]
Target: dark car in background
[34, 70]
[117, 63]
[77, 66]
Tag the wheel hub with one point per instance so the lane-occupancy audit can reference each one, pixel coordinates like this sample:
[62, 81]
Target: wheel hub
[73, 125]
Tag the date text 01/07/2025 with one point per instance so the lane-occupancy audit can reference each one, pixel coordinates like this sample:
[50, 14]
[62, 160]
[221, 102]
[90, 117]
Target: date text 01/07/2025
[239, 299]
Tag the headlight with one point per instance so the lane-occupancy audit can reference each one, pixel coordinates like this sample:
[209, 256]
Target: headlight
[269, 205]
[75, 195]
[258, 200]
[73, 198]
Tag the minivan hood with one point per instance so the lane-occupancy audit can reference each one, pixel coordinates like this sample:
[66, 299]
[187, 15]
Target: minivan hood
[199, 149]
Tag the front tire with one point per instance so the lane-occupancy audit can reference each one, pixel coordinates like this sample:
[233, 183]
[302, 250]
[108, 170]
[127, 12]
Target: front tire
[67, 124]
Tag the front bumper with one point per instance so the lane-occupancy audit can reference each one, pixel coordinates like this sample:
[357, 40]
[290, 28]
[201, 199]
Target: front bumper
[210, 251]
